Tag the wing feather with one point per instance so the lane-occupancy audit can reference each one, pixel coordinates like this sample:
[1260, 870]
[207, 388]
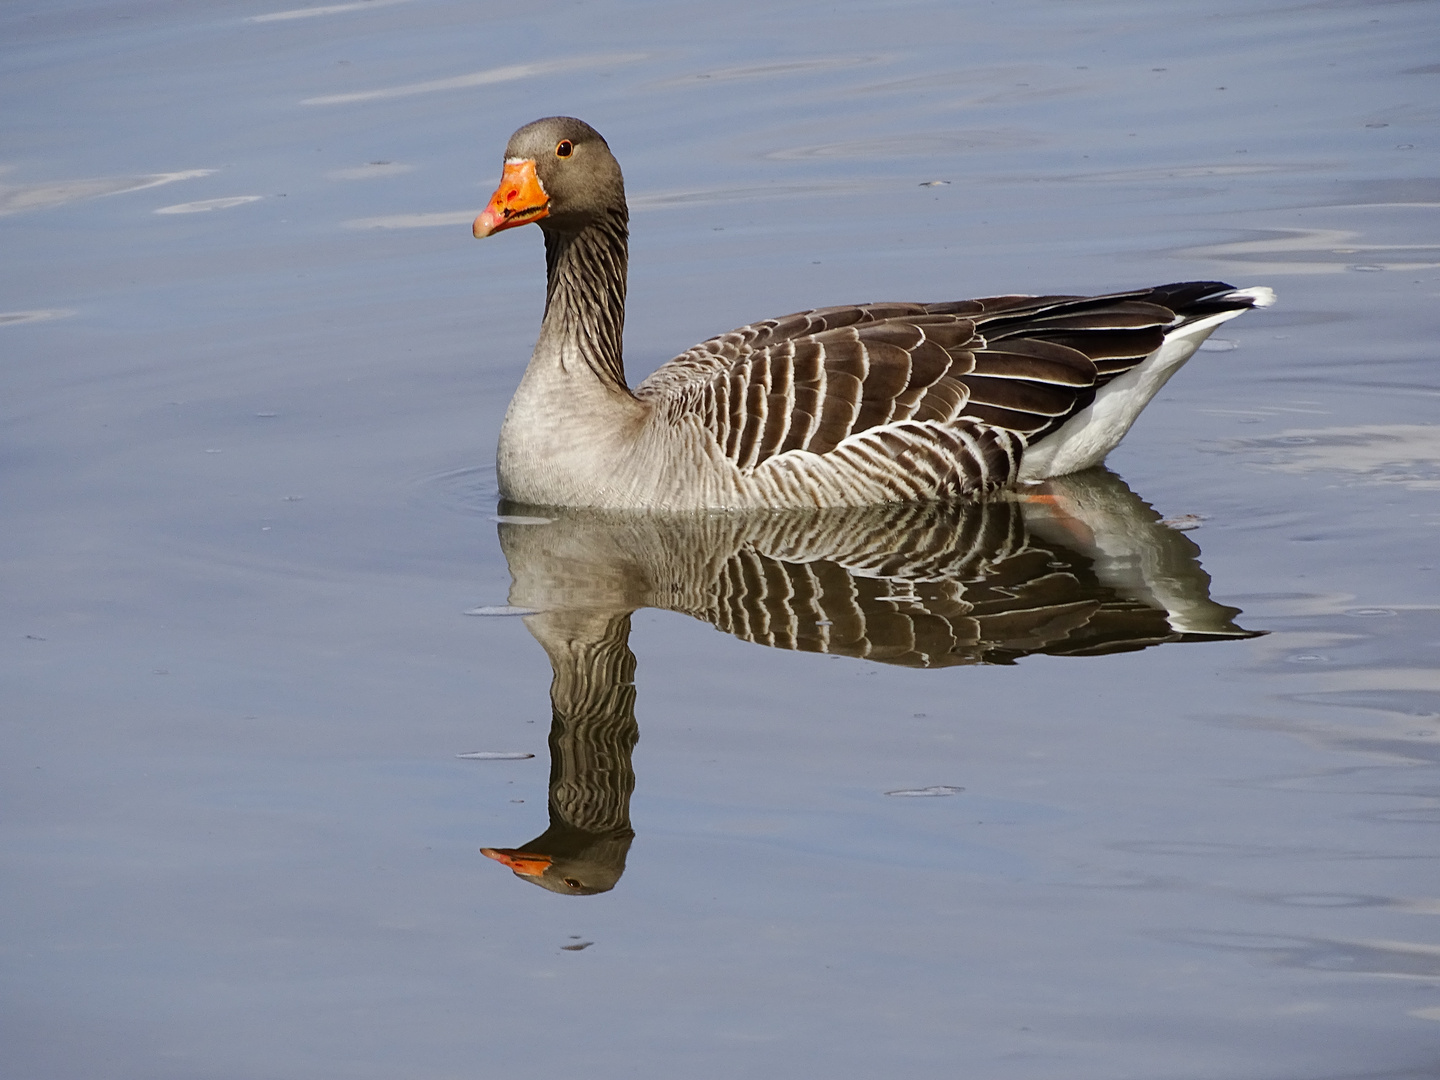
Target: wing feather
[939, 390]
[837, 412]
[943, 401]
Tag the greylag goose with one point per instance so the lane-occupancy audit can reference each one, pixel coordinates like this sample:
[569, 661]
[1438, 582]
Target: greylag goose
[839, 406]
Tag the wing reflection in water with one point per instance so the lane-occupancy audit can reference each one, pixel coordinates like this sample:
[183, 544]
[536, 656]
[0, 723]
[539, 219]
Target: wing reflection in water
[1078, 566]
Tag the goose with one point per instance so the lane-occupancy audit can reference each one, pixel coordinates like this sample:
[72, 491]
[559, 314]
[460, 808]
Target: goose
[846, 406]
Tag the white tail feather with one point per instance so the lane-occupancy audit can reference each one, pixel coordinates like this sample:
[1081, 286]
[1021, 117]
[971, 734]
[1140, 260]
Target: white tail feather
[1090, 434]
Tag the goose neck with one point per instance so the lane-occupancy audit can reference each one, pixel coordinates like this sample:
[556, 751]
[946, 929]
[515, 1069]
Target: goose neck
[585, 296]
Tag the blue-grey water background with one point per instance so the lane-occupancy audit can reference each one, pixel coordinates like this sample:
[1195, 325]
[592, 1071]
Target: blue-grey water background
[252, 368]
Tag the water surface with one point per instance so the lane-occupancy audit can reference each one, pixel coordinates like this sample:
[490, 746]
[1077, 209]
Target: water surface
[254, 367]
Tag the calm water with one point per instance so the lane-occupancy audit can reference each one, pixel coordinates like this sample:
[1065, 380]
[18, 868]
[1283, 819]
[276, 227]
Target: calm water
[253, 369]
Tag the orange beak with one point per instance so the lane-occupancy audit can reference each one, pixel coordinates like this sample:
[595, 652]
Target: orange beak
[524, 863]
[519, 200]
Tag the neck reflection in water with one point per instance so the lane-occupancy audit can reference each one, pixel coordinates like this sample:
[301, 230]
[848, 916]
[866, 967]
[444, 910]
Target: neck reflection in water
[1078, 566]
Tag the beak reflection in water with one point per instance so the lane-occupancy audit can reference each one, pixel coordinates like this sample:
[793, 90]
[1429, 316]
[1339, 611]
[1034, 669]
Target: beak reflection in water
[1078, 566]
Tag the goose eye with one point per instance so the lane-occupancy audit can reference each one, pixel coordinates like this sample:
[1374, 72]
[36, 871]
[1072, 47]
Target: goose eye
[570, 882]
[564, 148]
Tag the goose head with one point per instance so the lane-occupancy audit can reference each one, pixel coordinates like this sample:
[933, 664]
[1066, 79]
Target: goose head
[558, 172]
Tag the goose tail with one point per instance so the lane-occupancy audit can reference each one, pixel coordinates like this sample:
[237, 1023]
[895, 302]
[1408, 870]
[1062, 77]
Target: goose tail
[1084, 440]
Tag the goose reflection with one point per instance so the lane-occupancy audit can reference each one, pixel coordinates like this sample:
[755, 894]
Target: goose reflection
[1078, 566]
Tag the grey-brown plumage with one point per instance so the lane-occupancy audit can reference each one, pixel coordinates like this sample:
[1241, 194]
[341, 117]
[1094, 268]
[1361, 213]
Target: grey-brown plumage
[841, 406]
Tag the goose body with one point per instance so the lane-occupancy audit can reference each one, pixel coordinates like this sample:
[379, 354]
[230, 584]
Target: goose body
[840, 406]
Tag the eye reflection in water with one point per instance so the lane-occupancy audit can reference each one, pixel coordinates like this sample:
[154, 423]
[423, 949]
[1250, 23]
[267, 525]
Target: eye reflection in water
[1077, 566]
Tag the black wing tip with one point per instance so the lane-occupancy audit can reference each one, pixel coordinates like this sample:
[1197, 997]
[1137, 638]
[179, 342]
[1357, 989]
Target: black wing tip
[1191, 299]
